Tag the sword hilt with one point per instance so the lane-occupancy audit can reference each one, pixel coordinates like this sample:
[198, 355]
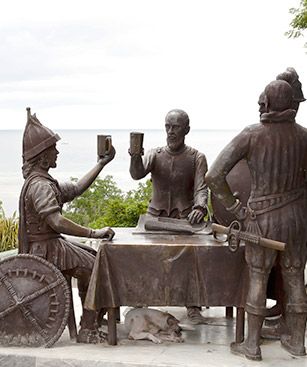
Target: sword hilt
[235, 235]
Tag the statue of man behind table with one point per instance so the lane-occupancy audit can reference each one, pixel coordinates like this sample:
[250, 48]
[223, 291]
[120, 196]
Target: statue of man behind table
[178, 178]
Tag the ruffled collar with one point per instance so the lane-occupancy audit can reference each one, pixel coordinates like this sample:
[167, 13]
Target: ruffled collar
[278, 116]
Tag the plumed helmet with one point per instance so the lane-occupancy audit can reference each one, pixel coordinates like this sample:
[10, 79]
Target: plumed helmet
[278, 95]
[36, 137]
[291, 76]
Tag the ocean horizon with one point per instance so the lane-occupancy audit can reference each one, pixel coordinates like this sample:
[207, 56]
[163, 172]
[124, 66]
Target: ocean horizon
[78, 154]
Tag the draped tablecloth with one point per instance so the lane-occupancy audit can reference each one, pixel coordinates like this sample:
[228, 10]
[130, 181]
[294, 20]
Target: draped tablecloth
[166, 270]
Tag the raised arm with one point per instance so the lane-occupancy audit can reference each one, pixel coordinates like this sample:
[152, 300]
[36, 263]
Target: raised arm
[137, 169]
[140, 167]
[84, 183]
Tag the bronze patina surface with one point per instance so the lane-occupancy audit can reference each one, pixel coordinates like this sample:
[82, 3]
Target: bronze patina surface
[34, 302]
[178, 178]
[41, 223]
[166, 270]
[275, 151]
[169, 270]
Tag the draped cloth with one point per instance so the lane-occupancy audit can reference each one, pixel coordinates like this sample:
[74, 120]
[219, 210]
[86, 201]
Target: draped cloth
[166, 270]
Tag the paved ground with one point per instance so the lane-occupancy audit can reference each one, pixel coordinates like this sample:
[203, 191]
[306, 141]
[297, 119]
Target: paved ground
[206, 345]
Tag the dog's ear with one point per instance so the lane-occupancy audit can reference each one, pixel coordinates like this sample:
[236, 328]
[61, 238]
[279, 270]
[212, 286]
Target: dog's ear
[171, 320]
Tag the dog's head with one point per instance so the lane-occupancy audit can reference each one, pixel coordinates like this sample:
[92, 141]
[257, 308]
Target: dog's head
[173, 324]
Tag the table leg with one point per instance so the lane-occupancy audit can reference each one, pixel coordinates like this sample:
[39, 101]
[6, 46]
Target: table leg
[229, 312]
[112, 335]
[240, 325]
[117, 314]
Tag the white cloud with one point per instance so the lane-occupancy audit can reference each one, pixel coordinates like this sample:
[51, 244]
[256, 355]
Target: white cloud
[126, 63]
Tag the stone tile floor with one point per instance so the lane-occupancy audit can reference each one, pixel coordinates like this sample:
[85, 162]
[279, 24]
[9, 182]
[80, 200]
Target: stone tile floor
[205, 346]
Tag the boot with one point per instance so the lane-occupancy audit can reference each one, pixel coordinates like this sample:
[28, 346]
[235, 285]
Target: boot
[89, 333]
[294, 343]
[250, 347]
[195, 316]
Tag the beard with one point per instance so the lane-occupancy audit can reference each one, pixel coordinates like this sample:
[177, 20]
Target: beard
[174, 143]
[46, 163]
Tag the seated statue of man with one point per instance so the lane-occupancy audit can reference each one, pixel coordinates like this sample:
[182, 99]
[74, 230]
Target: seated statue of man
[178, 178]
[42, 223]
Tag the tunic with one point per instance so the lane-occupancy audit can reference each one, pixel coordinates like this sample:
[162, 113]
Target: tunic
[42, 195]
[276, 154]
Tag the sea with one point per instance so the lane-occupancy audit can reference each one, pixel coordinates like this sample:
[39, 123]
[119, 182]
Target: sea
[78, 154]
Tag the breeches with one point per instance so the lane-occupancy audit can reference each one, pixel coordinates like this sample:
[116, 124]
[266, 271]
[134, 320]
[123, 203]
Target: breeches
[260, 262]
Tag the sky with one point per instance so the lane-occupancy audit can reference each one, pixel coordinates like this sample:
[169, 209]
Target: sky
[123, 64]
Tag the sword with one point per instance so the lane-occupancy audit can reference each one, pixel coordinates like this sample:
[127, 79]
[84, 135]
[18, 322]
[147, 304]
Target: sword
[235, 235]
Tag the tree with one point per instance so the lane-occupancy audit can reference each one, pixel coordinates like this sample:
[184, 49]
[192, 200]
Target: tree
[104, 204]
[299, 21]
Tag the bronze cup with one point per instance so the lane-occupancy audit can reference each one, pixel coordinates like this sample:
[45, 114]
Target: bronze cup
[104, 145]
[136, 143]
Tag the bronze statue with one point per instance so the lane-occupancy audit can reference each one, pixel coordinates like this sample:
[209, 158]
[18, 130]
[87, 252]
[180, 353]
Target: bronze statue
[274, 328]
[291, 76]
[42, 223]
[275, 151]
[178, 177]
[35, 302]
[239, 181]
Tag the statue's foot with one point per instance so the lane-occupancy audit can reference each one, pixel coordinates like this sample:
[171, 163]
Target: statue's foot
[195, 316]
[298, 351]
[89, 336]
[253, 354]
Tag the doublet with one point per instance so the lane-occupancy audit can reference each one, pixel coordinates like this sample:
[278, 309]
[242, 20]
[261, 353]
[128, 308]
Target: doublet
[178, 181]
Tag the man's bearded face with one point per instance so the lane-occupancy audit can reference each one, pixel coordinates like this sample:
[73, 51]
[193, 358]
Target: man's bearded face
[176, 130]
[52, 156]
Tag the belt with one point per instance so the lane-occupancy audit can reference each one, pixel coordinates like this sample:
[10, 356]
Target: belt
[43, 236]
[267, 203]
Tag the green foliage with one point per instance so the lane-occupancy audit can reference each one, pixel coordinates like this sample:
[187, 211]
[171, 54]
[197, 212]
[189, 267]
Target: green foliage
[125, 211]
[92, 203]
[8, 231]
[299, 21]
[104, 204]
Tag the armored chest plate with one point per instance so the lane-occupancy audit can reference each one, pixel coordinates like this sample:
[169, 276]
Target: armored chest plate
[34, 302]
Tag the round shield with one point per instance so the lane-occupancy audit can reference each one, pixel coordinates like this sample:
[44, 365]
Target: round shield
[239, 181]
[34, 302]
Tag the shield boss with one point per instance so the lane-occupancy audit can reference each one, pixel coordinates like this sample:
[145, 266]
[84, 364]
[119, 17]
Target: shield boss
[34, 302]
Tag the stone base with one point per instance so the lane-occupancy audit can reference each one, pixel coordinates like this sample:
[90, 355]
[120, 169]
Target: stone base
[206, 345]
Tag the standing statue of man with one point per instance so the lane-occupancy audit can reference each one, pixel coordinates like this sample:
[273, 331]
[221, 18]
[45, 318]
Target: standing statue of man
[41, 221]
[276, 154]
[178, 178]
[274, 329]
